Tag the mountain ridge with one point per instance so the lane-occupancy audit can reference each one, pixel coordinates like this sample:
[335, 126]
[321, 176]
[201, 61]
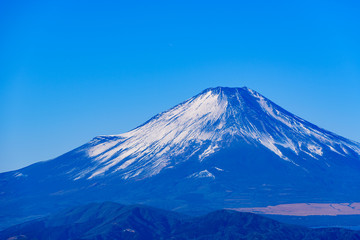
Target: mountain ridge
[110, 220]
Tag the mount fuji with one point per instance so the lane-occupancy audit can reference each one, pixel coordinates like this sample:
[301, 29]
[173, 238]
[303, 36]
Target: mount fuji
[223, 148]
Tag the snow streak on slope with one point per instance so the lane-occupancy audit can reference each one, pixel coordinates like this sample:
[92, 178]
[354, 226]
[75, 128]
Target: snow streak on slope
[174, 130]
[202, 174]
[306, 129]
[203, 125]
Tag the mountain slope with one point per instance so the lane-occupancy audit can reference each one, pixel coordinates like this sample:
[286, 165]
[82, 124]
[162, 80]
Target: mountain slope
[203, 125]
[114, 221]
[223, 148]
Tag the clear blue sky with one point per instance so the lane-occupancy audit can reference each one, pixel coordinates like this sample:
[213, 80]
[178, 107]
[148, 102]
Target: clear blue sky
[72, 70]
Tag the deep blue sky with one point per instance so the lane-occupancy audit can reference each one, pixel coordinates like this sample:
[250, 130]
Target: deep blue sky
[72, 70]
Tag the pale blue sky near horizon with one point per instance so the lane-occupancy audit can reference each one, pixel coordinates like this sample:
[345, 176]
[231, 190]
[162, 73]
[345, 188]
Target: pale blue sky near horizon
[72, 70]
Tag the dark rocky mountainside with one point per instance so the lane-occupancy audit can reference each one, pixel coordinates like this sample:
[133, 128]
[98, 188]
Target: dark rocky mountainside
[102, 221]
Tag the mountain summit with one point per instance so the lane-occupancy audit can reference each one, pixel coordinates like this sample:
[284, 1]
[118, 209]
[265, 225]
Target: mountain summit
[207, 123]
[223, 148]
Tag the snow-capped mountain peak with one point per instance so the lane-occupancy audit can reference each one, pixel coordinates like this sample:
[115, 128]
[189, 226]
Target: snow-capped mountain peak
[205, 124]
